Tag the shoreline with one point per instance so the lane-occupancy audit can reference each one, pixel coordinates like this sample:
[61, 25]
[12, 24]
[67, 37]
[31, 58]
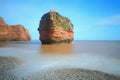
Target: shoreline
[9, 63]
[71, 74]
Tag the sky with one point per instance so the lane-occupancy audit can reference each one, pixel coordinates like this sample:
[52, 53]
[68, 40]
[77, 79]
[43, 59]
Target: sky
[92, 19]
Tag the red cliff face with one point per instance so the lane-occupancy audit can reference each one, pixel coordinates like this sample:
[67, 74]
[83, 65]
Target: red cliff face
[13, 32]
[55, 28]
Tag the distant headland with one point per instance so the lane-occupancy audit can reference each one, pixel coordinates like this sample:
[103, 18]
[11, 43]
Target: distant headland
[13, 32]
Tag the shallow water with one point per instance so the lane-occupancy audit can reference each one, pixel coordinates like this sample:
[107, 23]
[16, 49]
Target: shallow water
[94, 55]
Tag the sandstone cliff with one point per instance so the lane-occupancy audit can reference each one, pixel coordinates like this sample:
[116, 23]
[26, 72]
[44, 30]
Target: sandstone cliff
[54, 28]
[13, 32]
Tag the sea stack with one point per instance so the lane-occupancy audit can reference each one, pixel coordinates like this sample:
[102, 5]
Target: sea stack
[55, 28]
[13, 32]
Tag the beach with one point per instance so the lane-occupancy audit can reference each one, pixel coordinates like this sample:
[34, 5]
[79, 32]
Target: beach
[9, 63]
[83, 60]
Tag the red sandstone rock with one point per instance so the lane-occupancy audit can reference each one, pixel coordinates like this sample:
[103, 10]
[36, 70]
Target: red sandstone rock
[13, 32]
[54, 28]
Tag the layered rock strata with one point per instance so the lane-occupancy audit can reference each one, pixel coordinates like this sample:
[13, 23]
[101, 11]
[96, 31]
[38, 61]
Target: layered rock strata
[13, 32]
[54, 28]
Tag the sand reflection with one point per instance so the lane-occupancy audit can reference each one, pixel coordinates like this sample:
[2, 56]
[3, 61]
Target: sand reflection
[56, 49]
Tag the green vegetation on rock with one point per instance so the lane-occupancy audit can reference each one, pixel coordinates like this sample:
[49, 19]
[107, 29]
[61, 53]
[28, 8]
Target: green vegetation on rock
[56, 28]
[54, 19]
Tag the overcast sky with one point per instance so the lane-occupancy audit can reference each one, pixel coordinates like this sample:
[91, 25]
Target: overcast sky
[92, 19]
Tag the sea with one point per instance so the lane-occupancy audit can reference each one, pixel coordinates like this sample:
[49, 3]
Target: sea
[100, 55]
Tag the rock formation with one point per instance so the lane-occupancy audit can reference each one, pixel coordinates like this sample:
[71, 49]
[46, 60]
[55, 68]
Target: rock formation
[54, 28]
[13, 32]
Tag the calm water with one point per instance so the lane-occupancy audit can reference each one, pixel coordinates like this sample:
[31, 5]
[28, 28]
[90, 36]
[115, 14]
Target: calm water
[95, 55]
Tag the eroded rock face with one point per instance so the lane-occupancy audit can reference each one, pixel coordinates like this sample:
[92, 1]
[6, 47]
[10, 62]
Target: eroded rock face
[54, 28]
[13, 32]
